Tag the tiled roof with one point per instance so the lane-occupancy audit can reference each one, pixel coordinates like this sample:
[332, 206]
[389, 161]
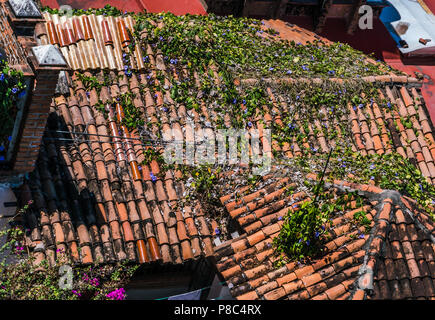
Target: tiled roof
[92, 41]
[93, 200]
[375, 129]
[394, 259]
[87, 196]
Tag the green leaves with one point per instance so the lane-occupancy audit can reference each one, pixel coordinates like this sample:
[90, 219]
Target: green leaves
[132, 115]
[11, 86]
[361, 218]
[21, 280]
[304, 226]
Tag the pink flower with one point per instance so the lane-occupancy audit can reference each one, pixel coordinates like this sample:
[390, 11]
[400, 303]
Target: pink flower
[78, 294]
[118, 294]
[95, 282]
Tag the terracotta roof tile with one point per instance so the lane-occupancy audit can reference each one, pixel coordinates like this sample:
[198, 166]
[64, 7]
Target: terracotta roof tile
[135, 217]
[393, 250]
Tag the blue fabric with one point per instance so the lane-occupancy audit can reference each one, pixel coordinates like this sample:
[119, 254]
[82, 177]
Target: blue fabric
[193, 295]
[388, 15]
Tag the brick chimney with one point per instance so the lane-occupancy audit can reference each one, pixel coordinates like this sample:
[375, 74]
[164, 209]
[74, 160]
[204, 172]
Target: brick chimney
[48, 62]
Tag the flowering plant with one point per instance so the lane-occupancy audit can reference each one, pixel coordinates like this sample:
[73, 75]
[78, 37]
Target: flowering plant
[11, 88]
[22, 278]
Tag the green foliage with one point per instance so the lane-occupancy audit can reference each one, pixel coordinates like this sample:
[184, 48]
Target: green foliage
[26, 280]
[211, 47]
[239, 44]
[205, 179]
[90, 82]
[152, 154]
[11, 87]
[304, 225]
[132, 115]
[388, 171]
[107, 10]
[361, 218]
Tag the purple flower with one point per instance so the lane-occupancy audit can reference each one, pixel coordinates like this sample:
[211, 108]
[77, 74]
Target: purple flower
[271, 69]
[279, 218]
[2, 148]
[308, 242]
[234, 101]
[249, 124]
[2, 77]
[153, 177]
[14, 90]
[217, 231]
[289, 72]
[361, 236]
[317, 234]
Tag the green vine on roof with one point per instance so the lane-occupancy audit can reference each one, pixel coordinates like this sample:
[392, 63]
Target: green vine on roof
[389, 171]
[305, 227]
[107, 10]
[305, 230]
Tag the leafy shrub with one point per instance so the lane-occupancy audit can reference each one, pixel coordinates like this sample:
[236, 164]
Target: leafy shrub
[25, 280]
[304, 225]
[11, 87]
